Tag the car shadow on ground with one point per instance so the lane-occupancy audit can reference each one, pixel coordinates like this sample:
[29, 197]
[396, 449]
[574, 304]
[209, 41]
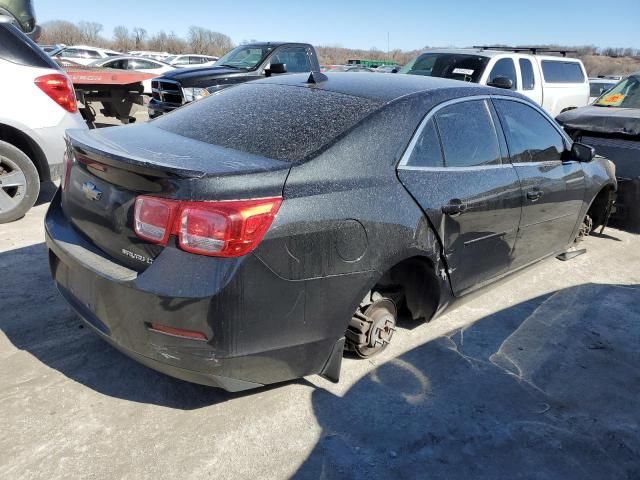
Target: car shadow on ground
[545, 389]
[36, 319]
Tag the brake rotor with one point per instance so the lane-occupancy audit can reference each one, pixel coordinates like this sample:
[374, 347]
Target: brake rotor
[371, 329]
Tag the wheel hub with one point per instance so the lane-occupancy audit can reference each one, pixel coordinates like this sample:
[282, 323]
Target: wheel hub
[372, 328]
[13, 184]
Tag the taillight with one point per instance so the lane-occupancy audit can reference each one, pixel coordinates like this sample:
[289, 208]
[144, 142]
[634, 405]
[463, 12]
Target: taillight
[153, 218]
[222, 229]
[60, 89]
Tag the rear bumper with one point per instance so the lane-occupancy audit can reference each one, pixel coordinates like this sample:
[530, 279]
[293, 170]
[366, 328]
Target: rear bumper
[255, 321]
[51, 141]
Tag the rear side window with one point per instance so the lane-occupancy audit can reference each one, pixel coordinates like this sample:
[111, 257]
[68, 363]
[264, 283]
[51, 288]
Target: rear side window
[526, 70]
[16, 47]
[507, 69]
[468, 135]
[530, 136]
[427, 152]
[556, 71]
[275, 121]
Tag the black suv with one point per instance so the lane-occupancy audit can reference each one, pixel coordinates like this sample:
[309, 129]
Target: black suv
[244, 63]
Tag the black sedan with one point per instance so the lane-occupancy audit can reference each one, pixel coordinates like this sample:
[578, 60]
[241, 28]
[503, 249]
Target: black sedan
[252, 237]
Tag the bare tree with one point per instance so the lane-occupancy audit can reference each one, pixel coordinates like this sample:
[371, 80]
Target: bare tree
[176, 44]
[60, 31]
[90, 32]
[139, 35]
[158, 42]
[122, 40]
[208, 42]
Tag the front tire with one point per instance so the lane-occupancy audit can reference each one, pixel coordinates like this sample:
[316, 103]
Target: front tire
[19, 183]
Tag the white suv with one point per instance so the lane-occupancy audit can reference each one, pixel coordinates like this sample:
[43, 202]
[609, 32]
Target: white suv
[37, 105]
[83, 54]
[556, 83]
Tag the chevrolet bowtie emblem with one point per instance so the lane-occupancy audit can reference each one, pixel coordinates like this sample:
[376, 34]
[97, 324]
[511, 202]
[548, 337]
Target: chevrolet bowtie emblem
[91, 191]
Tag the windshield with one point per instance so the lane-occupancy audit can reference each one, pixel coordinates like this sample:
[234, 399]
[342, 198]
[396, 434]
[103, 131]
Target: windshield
[247, 56]
[457, 66]
[625, 94]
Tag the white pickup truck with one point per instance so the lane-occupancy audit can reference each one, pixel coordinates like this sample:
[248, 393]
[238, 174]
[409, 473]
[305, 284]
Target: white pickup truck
[557, 83]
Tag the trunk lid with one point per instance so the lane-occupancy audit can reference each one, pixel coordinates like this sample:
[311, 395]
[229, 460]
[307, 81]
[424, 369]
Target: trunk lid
[113, 165]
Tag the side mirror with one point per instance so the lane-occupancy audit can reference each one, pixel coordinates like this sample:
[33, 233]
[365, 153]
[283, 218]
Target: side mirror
[276, 68]
[501, 82]
[582, 152]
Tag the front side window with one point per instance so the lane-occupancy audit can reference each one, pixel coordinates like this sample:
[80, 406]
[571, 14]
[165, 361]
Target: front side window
[526, 70]
[507, 69]
[427, 151]
[295, 59]
[530, 136]
[182, 61]
[468, 135]
[196, 60]
[90, 54]
[70, 53]
[556, 71]
[119, 64]
[142, 65]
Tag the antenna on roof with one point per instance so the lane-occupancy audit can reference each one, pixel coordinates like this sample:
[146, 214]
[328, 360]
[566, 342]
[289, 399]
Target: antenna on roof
[316, 77]
[532, 50]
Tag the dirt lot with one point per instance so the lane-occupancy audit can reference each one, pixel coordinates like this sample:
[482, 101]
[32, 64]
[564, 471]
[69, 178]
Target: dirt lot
[536, 378]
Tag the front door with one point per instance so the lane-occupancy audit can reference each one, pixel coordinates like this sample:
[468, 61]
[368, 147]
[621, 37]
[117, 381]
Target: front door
[553, 185]
[454, 168]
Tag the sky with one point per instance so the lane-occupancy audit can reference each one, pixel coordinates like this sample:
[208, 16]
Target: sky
[407, 24]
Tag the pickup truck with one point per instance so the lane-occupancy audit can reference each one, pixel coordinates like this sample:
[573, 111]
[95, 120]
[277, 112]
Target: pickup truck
[242, 64]
[556, 83]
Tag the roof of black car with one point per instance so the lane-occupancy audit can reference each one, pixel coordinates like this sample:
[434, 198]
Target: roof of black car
[381, 87]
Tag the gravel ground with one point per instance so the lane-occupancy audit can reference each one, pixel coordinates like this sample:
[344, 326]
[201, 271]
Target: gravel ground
[538, 377]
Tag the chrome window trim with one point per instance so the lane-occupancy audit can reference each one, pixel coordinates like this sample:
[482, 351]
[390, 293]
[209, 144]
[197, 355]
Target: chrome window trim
[404, 160]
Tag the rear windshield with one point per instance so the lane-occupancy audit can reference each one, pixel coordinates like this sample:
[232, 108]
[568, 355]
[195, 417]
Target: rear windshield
[457, 66]
[275, 121]
[562, 72]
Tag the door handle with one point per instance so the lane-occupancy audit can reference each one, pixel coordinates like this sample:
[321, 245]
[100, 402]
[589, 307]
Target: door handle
[454, 208]
[534, 195]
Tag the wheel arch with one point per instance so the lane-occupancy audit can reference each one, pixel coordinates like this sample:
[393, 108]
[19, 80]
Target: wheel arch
[28, 146]
[599, 208]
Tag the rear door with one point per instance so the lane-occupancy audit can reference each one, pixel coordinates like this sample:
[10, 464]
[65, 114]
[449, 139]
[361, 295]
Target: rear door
[553, 185]
[455, 170]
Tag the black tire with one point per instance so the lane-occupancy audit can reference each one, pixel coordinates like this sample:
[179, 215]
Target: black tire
[21, 185]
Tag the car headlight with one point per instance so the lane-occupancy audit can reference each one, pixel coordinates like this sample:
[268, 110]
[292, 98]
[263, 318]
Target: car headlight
[191, 94]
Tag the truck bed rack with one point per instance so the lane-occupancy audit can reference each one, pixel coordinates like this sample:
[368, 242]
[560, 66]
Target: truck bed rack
[532, 50]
